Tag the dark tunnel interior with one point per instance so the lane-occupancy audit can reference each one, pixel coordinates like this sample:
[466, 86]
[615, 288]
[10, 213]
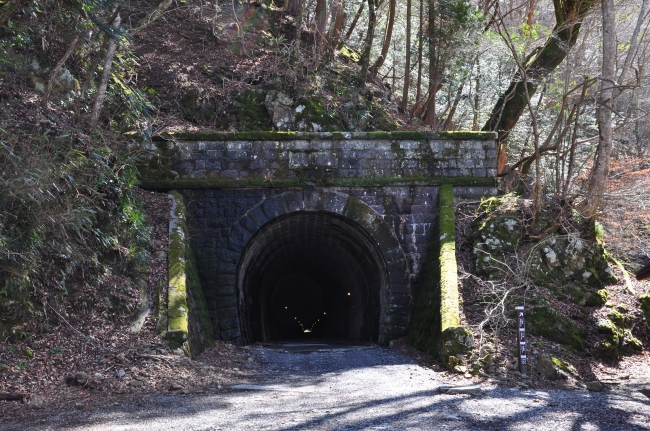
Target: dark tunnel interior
[309, 276]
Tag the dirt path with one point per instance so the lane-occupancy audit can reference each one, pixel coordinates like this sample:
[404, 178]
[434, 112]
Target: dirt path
[358, 388]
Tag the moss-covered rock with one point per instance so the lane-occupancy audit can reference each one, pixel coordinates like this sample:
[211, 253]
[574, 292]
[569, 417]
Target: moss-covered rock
[561, 364]
[614, 338]
[456, 340]
[195, 106]
[570, 265]
[494, 238]
[607, 327]
[598, 298]
[645, 307]
[615, 317]
[251, 111]
[631, 344]
[546, 321]
[546, 367]
[313, 115]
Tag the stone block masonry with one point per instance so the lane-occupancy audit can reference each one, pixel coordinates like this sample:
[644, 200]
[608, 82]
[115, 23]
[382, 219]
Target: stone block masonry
[335, 157]
[240, 187]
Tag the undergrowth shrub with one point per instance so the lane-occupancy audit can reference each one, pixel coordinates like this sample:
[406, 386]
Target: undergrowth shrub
[68, 212]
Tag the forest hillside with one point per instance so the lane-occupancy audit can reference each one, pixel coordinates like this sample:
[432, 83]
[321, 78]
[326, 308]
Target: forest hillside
[84, 83]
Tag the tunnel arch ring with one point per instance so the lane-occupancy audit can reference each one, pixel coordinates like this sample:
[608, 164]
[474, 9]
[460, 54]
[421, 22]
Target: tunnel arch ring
[380, 242]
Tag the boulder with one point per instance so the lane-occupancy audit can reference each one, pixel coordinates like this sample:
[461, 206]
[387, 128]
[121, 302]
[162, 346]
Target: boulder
[280, 109]
[645, 307]
[456, 340]
[546, 321]
[595, 386]
[37, 402]
[546, 367]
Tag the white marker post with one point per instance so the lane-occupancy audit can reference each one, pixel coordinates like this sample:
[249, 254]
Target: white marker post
[521, 339]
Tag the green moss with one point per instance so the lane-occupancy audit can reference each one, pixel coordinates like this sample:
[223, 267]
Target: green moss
[645, 307]
[177, 308]
[597, 299]
[158, 167]
[188, 322]
[468, 135]
[435, 325]
[252, 111]
[381, 119]
[456, 340]
[350, 54]
[562, 365]
[316, 111]
[490, 204]
[599, 231]
[607, 327]
[449, 306]
[546, 321]
[615, 317]
[631, 344]
[359, 212]
[168, 184]
[284, 136]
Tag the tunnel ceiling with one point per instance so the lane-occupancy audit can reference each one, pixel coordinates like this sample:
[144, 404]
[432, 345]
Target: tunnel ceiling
[311, 268]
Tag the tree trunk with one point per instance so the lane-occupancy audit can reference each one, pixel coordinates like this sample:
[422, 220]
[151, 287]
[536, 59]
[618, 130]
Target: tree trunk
[294, 6]
[353, 24]
[13, 8]
[321, 23]
[300, 13]
[569, 15]
[531, 12]
[418, 86]
[334, 33]
[600, 170]
[365, 56]
[634, 40]
[374, 70]
[55, 70]
[430, 113]
[477, 97]
[103, 83]
[407, 65]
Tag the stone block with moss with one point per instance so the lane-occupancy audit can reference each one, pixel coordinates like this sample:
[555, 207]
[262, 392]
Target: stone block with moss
[188, 323]
[435, 327]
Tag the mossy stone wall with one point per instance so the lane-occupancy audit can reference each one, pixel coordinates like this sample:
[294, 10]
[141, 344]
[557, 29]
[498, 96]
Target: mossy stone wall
[188, 323]
[255, 158]
[435, 327]
[235, 183]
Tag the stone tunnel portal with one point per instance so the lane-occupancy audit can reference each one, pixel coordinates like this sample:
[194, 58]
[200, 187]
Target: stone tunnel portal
[311, 275]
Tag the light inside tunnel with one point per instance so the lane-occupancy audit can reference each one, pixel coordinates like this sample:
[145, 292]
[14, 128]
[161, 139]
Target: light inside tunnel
[324, 268]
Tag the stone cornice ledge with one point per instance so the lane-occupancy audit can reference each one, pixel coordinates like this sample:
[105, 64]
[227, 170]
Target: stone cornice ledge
[289, 136]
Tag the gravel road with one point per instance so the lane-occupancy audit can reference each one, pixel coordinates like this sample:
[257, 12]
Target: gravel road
[358, 388]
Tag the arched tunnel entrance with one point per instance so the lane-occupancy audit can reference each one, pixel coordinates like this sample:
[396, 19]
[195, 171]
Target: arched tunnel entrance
[311, 275]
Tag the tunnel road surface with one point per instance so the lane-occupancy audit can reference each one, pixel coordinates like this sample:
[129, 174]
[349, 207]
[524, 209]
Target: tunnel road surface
[342, 387]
